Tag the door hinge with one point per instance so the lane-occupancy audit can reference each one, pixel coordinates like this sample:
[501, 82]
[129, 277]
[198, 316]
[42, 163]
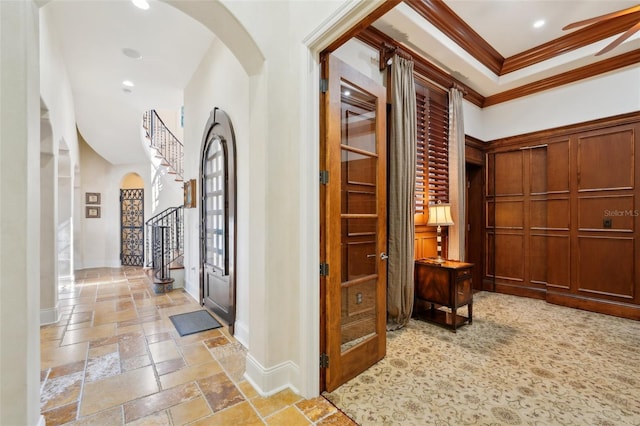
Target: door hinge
[324, 269]
[324, 177]
[324, 361]
[324, 85]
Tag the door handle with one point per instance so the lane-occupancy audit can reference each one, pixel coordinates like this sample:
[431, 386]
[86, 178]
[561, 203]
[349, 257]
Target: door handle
[384, 256]
[371, 255]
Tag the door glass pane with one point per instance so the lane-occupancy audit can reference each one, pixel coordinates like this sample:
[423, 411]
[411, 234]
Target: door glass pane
[215, 214]
[360, 256]
[358, 118]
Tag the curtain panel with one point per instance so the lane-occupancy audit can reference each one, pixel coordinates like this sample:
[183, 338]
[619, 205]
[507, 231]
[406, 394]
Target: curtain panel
[457, 176]
[401, 193]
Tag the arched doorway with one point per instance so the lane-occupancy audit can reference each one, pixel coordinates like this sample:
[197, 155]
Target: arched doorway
[218, 217]
[132, 220]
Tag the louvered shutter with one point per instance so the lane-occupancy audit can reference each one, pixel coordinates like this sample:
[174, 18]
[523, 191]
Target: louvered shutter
[432, 166]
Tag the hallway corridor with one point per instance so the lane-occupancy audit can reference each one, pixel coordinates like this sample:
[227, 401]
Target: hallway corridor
[115, 358]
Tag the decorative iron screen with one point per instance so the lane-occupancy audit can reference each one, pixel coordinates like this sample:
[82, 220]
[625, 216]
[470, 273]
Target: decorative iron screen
[132, 227]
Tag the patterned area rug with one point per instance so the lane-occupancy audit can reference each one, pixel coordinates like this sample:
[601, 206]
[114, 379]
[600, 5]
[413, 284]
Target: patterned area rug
[522, 361]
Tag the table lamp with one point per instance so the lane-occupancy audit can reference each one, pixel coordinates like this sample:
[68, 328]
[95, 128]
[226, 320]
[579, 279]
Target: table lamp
[439, 215]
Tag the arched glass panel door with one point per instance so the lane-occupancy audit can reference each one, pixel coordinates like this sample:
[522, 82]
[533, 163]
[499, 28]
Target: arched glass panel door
[217, 218]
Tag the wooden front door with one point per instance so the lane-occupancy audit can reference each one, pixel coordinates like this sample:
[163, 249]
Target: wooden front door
[353, 224]
[218, 206]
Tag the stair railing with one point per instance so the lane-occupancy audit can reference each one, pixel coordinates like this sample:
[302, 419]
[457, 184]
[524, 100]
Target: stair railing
[168, 147]
[164, 242]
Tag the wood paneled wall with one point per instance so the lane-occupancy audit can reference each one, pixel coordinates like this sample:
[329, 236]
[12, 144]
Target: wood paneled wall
[562, 218]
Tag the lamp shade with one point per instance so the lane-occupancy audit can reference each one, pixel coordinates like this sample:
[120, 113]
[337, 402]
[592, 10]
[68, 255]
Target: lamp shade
[440, 215]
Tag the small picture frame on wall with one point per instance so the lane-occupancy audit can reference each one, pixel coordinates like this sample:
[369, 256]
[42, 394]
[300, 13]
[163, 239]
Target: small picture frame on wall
[92, 212]
[92, 198]
[190, 194]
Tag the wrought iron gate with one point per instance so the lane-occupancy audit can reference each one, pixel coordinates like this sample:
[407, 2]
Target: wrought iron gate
[132, 227]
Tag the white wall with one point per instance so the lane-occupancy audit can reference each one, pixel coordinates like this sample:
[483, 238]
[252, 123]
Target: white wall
[19, 214]
[220, 81]
[362, 57]
[99, 242]
[55, 88]
[604, 96]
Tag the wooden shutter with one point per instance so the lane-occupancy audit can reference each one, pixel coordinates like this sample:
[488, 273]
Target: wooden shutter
[432, 165]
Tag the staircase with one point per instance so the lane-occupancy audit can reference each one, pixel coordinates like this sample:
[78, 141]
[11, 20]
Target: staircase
[164, 233]
[164, 247]
[167, 147]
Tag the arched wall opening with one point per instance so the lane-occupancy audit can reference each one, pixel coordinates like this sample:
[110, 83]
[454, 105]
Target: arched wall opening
[49, 312]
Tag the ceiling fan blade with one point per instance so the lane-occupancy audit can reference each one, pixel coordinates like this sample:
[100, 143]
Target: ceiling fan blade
[602, 17]
[615, 43]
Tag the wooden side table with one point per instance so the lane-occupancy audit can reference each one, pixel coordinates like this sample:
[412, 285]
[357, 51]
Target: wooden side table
[446, 284]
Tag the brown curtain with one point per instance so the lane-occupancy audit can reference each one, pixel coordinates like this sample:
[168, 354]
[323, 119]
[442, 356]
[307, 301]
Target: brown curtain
[401, 198]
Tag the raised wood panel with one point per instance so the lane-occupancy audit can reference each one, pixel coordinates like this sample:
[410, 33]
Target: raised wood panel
[473, 155]
[490, 214]
[550, 214]
[509, 173]
[538, 171]
[538, 214]
[360, 202]
[558, 167]
[606, 266]
[619, 210]
[559, 261]
[509, 254]
[357, 264]
[537, 254]
[509, 214]
[568, 257]
[425, 245]
[606, 161]
[490, 175]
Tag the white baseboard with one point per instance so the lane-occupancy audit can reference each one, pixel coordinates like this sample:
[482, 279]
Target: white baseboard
[241, 333]
[49, 316]
[269, 381]
[192, 290]
[178, 278]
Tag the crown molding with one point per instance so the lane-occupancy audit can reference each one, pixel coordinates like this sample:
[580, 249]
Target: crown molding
[436, 12]
[569, 42]
[378, 40]
[572, 76]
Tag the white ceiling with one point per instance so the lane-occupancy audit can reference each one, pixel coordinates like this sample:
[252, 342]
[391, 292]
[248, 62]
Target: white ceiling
[507, 25]
[92, 34]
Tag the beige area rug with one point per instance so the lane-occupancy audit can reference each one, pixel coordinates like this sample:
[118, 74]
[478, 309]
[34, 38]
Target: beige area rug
[521, 362]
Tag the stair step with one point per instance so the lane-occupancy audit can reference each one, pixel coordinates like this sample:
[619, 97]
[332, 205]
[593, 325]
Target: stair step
[179, 179]
[172, 172]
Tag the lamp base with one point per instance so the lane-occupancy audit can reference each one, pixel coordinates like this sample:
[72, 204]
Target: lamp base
[438, 259]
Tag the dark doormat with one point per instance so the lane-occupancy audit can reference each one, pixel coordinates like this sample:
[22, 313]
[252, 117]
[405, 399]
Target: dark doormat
[194, 322]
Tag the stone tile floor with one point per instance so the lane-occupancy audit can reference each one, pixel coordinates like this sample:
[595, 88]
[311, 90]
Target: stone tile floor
[115, 358]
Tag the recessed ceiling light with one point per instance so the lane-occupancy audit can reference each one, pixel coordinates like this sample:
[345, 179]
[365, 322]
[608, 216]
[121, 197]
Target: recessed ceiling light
[141, 4]
[131, 53]
[127, 83]
[539, 23]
